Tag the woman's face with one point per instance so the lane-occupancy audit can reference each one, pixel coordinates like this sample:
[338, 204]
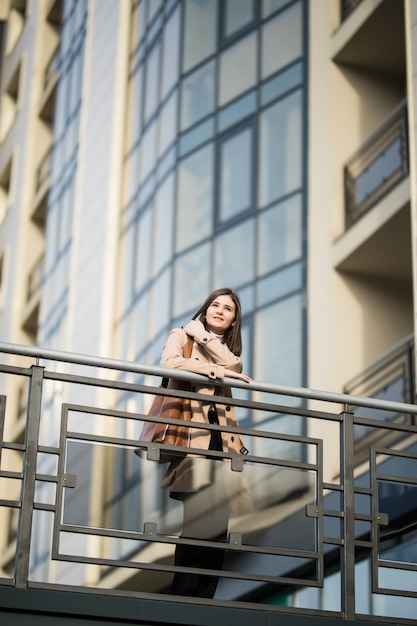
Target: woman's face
[220, 314]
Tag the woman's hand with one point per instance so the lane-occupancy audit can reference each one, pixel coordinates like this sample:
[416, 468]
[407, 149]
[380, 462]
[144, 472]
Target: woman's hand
[232, 374]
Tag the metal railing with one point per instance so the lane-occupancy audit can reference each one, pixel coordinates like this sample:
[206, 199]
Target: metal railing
[378, 166]
[93, 518]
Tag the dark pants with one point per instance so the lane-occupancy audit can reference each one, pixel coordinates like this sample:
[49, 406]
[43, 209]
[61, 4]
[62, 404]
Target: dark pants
[206, 516]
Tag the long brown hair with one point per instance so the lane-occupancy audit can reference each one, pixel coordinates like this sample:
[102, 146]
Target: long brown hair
[233, 335]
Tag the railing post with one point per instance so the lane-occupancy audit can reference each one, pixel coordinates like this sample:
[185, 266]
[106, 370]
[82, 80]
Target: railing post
[347, 480]
[29, 476]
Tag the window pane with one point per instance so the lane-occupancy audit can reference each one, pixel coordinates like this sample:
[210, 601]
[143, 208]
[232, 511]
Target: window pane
[280, 284]
[168, 123]
[170, 57]
[278, 343]
[196, 136]
[197, 95]
[161, 302]
[238, 69]
[279, 235]
[238, 13]
[143, 250]
[236, 174]
[236, 111]
[200, 31]
[163, 215]
[282, 40]
[280, 155]
[234, 255]
[195, 198]
[191, 280]
[148, 151]
[134, 124]
[270, 6]
[151, 83]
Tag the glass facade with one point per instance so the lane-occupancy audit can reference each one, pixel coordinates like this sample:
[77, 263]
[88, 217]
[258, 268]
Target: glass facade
[64, 160]
[59, 238]
[215, 175]
[214, 185]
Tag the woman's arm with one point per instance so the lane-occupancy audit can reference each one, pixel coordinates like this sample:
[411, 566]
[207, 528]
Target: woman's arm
[172, 356]
[216, 350]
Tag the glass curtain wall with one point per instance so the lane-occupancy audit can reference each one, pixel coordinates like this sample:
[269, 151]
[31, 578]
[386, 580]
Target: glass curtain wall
[214, 191]
[59, 228]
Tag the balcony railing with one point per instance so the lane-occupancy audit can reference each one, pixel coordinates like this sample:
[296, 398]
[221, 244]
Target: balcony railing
[322, 537]
[378, 166]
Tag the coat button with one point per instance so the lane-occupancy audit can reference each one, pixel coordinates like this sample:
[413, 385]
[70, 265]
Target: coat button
[232, 438]
[205, 339]
[228, 408]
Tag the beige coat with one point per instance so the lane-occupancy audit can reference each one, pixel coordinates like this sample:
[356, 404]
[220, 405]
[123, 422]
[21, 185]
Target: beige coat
[209, 357]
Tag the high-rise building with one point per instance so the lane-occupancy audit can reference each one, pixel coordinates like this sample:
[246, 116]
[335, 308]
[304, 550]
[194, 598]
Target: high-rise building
[154, 150]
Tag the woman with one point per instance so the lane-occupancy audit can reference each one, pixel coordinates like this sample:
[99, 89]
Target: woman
[209, 488]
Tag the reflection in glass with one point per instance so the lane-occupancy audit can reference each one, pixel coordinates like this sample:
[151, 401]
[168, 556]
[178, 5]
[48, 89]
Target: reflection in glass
[235, 174]
[160, 302]
[170, 54]
[283, 82]
[234, 255]
[152, 82]
[279, 234]
[163, 225]
[280, 158]
[200, 31]
[278, 349]
[196, 136]
[195, 198]
[238, 69]
[280, 283]
[168, 123]
[191, 280]
[148, 151]
[237, 110]
[143, 249]
[270, 6]
[197, 95]
[237, 14]
[282, 40]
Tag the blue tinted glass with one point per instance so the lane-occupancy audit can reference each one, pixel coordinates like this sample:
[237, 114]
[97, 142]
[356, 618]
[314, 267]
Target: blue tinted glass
[199, 32]
[237, 111]
[191, 280]
[198, 135]
[278, 85]
[279, 235]
[236, 174]
[195, 198]
[235, 255]
[280, 151]
[197, 95]
[278, 344]
[278, 285]
[379, 171]
[238, 13]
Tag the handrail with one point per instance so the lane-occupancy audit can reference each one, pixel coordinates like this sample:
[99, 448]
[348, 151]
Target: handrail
[310, 498]
[155, 370]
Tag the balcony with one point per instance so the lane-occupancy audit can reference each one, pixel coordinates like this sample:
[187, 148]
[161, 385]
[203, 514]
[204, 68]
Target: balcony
[47, 103]
[379, 165]
[42, 187]
[325, 539]
[347, 7]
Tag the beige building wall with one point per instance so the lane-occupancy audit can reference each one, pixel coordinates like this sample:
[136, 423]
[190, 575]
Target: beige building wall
[360, 298]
